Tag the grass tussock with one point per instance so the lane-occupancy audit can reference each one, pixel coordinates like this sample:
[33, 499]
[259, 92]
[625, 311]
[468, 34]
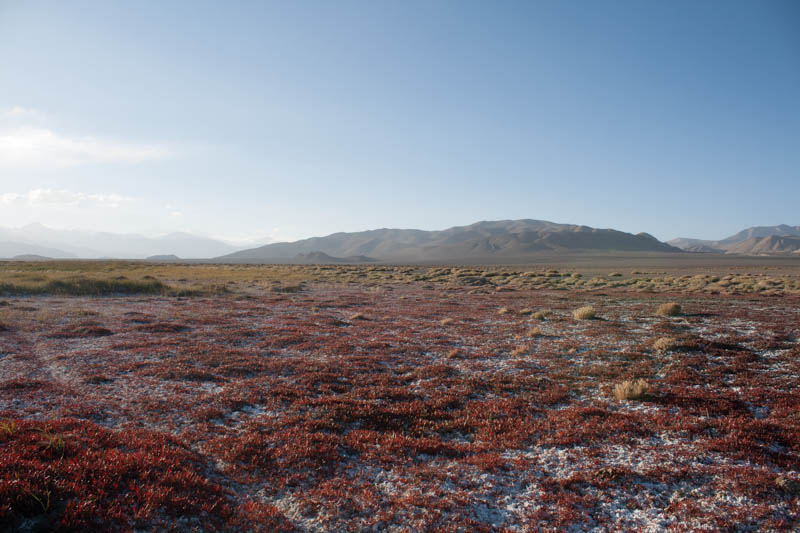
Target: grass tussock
[665, 344]
[535, 332]
[630, 390]
[446, 321]
[669, 309]
[584, 313]
[522, 349]
[502, 311]
[541, 315]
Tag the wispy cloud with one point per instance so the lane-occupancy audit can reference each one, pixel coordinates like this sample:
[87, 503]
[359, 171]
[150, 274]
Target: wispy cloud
[33, 146]
[61, 198]
[19, 113]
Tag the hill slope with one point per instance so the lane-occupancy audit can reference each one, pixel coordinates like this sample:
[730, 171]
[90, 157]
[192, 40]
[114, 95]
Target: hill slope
[751, 241]
[498, 240]
[14, 249]
[767, 245]
[762, 231]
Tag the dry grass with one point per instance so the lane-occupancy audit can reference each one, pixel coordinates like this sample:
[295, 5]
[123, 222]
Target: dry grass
[454, 353]
[541, 315]
[502, 311]
[82, 287]
[669, 309]
[584, 313]
[522, 349]
[138, 277]
[446, 321]
[631, 390]
[665, 344]
[534, 332]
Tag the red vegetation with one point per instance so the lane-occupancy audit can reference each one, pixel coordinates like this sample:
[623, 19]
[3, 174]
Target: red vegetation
[282, 411]
[74, 474]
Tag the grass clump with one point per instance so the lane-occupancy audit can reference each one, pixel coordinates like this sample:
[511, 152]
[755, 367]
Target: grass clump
[520, 350]
[669, 309]
[584, 313]
[631, 390]
[665, 344]
[84, 287]
[502, 311]
[535, 332]
[446, 321]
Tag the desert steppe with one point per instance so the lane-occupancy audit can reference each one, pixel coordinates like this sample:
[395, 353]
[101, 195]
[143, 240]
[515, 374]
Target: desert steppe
[196, 397]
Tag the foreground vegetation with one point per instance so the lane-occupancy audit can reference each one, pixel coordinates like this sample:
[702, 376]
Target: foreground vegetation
[333, 398]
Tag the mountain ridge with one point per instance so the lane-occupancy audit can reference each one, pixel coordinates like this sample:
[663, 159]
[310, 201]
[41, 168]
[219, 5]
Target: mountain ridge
[496, 239]
[38, 239]
[749, 241]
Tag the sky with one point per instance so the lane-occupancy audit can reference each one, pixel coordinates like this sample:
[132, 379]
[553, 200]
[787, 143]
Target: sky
[259, 121]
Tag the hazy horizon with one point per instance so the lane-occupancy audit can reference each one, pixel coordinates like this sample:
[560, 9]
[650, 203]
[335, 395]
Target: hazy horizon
[272, 121]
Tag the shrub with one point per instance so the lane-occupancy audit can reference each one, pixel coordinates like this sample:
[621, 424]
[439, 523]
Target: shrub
[631, 390]
[584, 313]
[669, 309]
[665, 344]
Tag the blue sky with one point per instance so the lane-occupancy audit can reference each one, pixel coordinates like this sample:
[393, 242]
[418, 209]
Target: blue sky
[282, 120]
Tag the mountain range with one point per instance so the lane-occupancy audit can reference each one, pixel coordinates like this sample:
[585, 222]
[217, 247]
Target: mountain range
[36, 239]
[482, 242]
[758, 240]
[503, 240]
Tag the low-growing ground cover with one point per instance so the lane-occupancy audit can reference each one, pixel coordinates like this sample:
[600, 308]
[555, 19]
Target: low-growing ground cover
[413, 405]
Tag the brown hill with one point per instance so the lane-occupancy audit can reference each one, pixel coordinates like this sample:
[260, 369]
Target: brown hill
[491, 241]
[772, 245]
[742, 242]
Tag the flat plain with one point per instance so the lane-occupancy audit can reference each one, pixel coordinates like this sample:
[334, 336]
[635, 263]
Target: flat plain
[138, 396]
